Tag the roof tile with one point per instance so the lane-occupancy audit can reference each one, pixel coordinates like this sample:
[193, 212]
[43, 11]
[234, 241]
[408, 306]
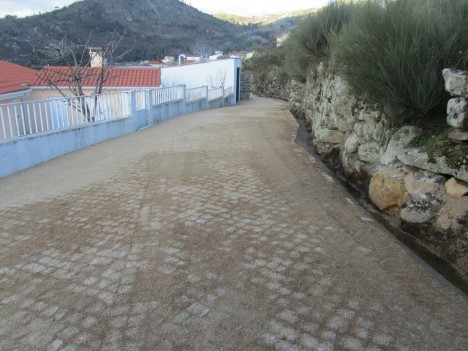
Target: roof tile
[15, 78]
[118, 76]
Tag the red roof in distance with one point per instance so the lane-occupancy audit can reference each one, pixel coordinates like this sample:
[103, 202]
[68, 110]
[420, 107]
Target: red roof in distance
[118, 77]
[15, 78]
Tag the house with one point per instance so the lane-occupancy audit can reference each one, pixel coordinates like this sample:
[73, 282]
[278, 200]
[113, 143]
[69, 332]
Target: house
[280, 39]
[168, 60]
[15, 81]
[218, 55]
[96, 57]
[214, 74]
[118, 79]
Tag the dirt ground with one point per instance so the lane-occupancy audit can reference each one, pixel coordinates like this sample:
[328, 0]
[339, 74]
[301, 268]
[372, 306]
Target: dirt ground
[211, 231]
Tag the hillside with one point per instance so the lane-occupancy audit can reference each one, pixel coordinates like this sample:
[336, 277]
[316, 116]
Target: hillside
[153, 28]
[263, 20]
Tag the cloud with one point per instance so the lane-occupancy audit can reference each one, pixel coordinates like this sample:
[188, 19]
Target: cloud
[30, 7]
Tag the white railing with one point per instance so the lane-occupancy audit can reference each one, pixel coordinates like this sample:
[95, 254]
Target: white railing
[216, 93]
[196, 94]
[25, 118]
[141, 97]
[34, 117]
[167, 95]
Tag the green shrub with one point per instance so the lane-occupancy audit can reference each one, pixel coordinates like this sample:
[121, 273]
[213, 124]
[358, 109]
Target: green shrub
[262, 62]
[310, 40]
[394, 55]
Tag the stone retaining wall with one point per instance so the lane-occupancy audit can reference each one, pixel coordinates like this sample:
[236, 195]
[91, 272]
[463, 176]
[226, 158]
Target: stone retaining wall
[245, 81]
[424, 194]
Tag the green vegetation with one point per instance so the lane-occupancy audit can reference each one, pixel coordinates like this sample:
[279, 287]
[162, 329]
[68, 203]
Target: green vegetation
[391, 55]
[310, 41]
[394, 56]
[264, 60]
[244, 20]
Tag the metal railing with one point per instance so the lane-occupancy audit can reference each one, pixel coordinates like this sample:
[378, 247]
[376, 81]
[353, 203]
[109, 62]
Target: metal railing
[33, 117]
[216, 93]
[196, 94]
[166, 95]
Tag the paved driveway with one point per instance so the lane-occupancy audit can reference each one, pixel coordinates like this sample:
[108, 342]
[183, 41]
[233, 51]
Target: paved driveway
[211, 231]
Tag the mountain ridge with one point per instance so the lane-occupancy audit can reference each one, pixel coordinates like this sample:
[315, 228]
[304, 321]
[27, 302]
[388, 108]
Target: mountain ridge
[153, 29]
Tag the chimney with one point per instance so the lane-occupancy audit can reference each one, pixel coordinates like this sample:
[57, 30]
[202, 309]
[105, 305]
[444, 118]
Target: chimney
[96, 58]
[181, 56]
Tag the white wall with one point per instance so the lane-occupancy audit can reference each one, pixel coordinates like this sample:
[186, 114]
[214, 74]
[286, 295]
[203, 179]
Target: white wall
[199, 74]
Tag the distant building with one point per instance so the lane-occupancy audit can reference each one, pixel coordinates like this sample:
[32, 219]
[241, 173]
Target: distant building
[281, 39]
[168, 60]
[216, 56]
[96, 58]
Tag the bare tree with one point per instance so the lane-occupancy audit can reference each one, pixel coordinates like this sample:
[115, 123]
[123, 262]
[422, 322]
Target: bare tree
[76, 72]
[218, 79]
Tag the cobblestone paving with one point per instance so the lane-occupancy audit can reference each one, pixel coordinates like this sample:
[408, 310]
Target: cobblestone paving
[219, 234]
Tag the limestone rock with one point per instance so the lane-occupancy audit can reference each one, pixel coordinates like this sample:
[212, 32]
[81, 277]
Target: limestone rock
[418, 211]
[329, 136]
[399, 141]
[421, 189]
[456, 188]
[456, 82]
[352, 143]
[457, 113]
[370, 152]
[453, 215]
[420, 159]
[458, 135]
[386, 189]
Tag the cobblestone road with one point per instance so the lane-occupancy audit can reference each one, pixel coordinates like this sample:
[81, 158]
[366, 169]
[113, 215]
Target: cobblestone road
[212, 231]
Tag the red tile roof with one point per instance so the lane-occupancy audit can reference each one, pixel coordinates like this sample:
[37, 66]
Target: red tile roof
[118, 77]
[15, 78]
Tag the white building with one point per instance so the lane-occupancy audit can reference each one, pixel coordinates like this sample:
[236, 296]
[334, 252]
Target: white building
[214, 74]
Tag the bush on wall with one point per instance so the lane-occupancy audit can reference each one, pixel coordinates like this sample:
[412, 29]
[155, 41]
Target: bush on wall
[309, 42]
[394, 55]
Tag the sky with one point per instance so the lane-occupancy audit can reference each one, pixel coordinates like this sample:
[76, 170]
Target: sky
[23, 8]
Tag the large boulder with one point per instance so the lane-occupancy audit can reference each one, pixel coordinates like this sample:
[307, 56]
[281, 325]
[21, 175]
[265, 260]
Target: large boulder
[422, 188]
[438, 164]
[387, 189]
[425, 194]
[457, 113]
[456, 82]
[399, 141]
[419, 212]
